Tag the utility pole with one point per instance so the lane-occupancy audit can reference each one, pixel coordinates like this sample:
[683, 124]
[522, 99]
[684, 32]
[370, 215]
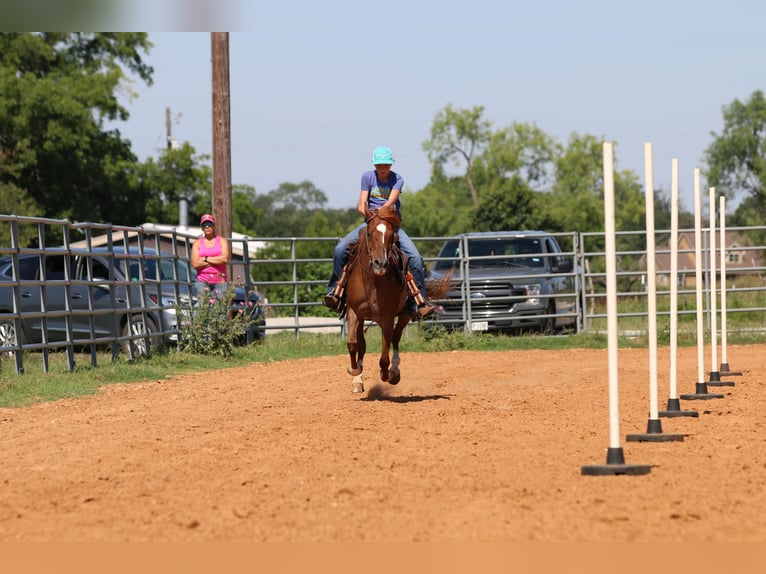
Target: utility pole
[219, 47]
[168, 133]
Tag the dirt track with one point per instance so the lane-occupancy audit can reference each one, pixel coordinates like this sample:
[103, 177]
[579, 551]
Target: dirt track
[470, 446]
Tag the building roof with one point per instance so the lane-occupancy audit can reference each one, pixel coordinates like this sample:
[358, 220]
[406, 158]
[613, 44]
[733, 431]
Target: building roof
[238, 241]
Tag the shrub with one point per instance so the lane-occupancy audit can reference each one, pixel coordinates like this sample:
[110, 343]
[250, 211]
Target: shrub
[211, 327]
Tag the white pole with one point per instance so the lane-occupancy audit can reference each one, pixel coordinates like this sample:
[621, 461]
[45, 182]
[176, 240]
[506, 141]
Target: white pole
[722, 216]
[651, 278]
[698, 275]
[674, 279]
[713, 289]
[611, 295]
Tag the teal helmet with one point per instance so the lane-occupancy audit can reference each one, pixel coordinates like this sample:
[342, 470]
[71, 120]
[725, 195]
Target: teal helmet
[382, 155]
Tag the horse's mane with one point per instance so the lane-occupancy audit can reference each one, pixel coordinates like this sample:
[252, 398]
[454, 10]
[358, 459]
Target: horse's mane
[388, 213]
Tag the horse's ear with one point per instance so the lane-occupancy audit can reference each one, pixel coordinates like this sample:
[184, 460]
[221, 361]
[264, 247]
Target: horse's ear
[367, 213]
[396, 237]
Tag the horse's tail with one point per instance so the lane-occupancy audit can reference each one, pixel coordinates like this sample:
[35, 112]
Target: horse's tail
[437, 287]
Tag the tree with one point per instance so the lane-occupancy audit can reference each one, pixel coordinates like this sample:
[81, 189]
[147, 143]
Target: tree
[288, 210]
[736, 160]
[15, 201]
[176, 174]
[57, 91]
[458, 135]
[245, 214]
[510, 205]
[441, 208]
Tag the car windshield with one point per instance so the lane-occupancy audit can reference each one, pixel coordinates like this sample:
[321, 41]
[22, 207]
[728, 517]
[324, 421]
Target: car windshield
[184, 271]
[494, 252]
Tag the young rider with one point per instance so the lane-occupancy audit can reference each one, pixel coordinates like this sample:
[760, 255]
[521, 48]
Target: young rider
[380, 187]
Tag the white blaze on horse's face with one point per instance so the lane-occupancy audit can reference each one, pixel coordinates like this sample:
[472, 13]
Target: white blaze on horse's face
[379, 252]
[382, 228]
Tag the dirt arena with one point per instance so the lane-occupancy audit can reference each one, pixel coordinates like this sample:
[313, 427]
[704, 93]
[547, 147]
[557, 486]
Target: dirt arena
[468, 447]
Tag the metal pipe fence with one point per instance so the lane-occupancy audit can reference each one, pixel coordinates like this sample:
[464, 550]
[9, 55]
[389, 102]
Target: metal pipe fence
[89, 303]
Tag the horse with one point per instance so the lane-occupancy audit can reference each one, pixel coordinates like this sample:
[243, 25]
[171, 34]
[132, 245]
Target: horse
[376, 290]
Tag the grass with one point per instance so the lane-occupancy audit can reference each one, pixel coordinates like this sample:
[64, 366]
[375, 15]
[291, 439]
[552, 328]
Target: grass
[36, 386]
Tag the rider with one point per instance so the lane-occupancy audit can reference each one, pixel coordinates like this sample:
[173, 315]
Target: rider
[380, 187]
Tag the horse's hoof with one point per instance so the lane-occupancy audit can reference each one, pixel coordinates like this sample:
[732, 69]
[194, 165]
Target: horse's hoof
[357, 388]
[395, 378]
[354, 372]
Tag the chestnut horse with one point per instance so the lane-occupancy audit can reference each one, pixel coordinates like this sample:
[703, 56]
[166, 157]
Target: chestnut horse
[376, 291]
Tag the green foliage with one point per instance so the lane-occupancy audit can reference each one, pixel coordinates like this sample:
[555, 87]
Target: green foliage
[288, 210]
[245, 214]
[210, 328]
[736, 159]
[510, 204]
[57, 90]
[175, 174]
[441, 209]
[16, 201]
[456, 135]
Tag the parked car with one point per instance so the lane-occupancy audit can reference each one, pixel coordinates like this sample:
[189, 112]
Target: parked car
[103, 298]
[507, 281]
[107, 298]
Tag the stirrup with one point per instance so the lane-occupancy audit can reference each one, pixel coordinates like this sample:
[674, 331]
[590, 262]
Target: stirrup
[425, 310]
[332, 302]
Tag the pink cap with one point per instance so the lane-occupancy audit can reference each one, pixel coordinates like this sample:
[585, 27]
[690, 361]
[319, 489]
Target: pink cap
[207, 217]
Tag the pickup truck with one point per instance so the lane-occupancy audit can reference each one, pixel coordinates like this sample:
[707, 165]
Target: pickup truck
[507, 282]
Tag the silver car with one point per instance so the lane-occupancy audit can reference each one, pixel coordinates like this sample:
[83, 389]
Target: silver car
[104, 297]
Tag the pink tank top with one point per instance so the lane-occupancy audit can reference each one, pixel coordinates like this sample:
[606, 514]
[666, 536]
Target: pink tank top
[211, 273]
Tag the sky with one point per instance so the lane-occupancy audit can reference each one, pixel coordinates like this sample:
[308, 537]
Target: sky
[316, 86]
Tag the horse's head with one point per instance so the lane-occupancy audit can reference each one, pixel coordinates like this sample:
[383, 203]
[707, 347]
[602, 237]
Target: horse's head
[381, 234]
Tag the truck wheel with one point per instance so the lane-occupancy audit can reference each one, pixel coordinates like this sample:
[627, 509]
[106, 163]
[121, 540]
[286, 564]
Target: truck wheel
[549, 327]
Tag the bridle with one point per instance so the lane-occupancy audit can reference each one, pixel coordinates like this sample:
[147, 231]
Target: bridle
[387, 252]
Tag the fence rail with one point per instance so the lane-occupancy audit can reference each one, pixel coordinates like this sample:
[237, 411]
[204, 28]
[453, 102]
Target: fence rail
[78, 294]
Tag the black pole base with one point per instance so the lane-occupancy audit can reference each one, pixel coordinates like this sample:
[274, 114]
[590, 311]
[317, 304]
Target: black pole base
[654, 434]
[721, 383]
[615, 465]
[655, 437]
[701, 394]
[674, 410]
[727, 372]
[715, 380]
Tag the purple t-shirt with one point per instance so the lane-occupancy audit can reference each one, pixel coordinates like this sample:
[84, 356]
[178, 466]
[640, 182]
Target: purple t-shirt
[380, 190]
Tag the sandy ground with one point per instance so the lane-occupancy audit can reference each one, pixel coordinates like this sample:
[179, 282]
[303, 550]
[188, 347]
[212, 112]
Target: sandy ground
[468, 447]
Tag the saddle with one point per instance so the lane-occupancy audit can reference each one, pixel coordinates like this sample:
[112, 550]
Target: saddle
[397, 261]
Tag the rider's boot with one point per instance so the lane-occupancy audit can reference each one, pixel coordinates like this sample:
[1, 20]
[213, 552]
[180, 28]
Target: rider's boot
[333, 300]
[425, 308]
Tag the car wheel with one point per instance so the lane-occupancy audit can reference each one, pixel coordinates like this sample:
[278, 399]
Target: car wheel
[9, 337]
[549, 327]
[139, 345]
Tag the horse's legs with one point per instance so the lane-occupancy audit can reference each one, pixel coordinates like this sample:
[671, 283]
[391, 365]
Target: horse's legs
[356, 349]
[387, 329]
[395, 375]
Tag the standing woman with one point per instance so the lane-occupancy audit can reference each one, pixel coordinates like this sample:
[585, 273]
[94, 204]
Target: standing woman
[210, 257]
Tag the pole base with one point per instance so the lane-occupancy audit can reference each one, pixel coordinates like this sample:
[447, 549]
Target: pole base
[701, 394]
[654, 434]
[721, 383]
[615, 469]
[674, 414]
[655, 437]
[715, 380]
[727, 372]
[615, 465]
[674, 410]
